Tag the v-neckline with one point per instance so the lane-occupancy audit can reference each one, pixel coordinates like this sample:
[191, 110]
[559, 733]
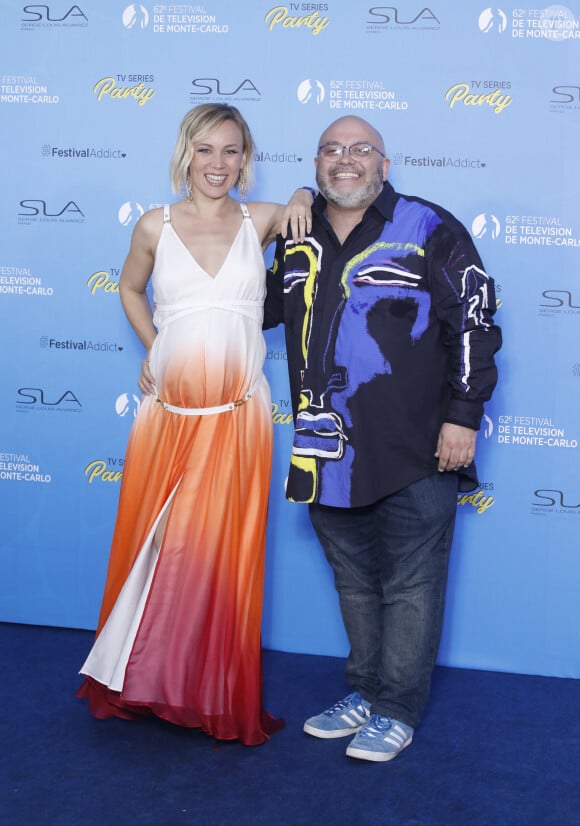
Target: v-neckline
[194, 259]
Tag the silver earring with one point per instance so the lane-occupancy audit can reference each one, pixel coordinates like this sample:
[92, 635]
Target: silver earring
[243, 185]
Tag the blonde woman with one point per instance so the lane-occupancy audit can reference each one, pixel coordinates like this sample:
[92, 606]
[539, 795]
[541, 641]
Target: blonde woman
[179, 629]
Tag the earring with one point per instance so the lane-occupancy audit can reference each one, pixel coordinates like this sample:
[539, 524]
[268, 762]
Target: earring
[188, 189]
[243, 185]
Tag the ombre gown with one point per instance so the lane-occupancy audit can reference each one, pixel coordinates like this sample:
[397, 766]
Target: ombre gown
[179, 629]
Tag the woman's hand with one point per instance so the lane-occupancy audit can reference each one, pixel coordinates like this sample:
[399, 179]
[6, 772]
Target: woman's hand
[297, 215]
[146, 381]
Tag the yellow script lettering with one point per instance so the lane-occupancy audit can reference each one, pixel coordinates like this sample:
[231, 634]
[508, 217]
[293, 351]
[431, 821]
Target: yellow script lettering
[108, 86]
[477, 500]
[101, 281]
[461, 93]
[279, 14]
[97, 469]
[280, 418]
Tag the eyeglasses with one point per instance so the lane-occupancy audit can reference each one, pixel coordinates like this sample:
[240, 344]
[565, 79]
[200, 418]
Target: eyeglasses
[360, 151]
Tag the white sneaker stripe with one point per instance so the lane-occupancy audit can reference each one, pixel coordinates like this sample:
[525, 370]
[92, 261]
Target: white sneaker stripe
[394, 741]
[358, 720]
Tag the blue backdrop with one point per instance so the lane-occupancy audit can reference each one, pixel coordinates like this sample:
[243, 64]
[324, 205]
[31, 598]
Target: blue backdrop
[480, 110]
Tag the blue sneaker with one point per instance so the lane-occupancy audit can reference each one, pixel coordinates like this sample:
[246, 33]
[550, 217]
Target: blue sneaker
[382, 738]
[341, 719]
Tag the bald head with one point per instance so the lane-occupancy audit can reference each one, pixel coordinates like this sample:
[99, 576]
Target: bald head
[352, 129]
[346, 181]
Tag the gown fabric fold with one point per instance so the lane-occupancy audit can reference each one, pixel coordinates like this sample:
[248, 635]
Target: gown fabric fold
[179, 628]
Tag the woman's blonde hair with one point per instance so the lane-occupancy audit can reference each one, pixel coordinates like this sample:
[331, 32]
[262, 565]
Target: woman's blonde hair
[194, 127]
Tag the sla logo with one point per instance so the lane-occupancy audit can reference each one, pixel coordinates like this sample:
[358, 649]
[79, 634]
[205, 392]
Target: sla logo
[487, 427]
[135, 16]
[204, 86]
[311, 91]
[39, 13]
[35, 207]
[38, 395]
[492, 20]
[561, 298]
[127, 403]
[129, 212]
[554, 498]
[485, 225]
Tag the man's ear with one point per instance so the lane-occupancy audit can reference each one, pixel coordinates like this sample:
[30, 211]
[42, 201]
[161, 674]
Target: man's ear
[386, 165]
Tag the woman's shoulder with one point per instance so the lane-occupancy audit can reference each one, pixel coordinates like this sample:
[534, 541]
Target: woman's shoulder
[148, 227]
[151, 218]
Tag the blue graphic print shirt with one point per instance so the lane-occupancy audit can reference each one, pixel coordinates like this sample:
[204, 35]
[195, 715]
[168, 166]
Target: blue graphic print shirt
[388, 336]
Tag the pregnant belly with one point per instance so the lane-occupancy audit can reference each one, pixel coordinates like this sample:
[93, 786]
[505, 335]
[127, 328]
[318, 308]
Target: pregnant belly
[194, 370]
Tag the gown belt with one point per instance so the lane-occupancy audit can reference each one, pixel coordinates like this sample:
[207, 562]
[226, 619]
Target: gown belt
[208, 411]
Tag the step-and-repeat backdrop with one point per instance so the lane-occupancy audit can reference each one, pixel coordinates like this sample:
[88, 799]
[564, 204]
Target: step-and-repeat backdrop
[480, 110]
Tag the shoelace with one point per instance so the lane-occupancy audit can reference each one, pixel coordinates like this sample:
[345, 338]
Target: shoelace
[347, 701]
[375, 727]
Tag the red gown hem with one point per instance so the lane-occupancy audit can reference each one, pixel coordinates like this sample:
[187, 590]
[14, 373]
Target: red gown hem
[105, 703]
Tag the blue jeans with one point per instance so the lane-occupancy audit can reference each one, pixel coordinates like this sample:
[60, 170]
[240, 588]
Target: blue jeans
[390, 563]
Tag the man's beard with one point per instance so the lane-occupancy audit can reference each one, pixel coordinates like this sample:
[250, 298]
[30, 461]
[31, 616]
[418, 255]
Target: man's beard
[362, 197]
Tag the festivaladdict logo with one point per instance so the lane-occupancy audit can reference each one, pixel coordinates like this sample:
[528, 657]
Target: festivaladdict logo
[492, 20]
[286, 158]
[82, 152]
[441, 162]
[284, 17]
[84, 345]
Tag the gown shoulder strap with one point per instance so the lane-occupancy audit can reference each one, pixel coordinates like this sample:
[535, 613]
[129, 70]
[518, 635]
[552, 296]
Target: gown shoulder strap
[166, 215]
[245, 210]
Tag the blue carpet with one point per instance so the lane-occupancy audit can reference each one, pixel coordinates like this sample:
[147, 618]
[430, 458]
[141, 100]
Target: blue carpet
[493, 749]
